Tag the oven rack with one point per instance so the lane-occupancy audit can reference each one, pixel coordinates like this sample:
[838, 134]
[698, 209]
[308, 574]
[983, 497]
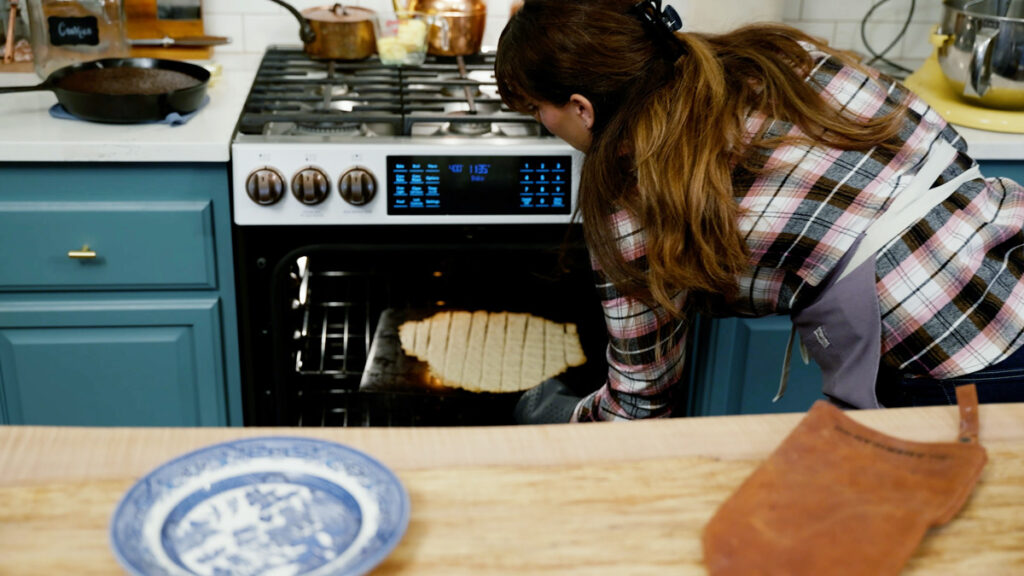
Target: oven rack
[333, 334]
[333, 322]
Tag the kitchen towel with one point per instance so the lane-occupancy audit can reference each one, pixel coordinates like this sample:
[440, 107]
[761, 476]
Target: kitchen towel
[839, 498]
[172, 119]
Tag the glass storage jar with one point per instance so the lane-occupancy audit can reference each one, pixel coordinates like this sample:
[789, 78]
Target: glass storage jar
[66, 32]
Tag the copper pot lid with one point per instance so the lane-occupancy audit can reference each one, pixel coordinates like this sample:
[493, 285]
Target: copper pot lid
[449, 7]
[338, 13]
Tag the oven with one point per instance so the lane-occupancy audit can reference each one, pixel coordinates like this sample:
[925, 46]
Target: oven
[364, 196]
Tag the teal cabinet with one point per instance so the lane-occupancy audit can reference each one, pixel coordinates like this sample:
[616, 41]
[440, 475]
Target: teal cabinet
[1005, 168]
[112, 362]
[117, 299]
[737, 366]
[737, 362]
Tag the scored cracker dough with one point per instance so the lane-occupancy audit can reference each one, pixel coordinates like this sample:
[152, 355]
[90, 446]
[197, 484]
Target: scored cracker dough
[533, 352]
[485, 351]
[458, 340]
[494, 348]
[472, 368]
[512, 357]
[437, 347]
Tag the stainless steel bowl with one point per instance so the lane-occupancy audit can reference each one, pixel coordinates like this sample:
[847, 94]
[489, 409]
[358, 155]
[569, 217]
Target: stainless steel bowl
[981, 51]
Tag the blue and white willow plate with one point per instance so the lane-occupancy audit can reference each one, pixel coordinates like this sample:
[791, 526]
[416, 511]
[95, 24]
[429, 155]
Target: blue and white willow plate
[270, 505]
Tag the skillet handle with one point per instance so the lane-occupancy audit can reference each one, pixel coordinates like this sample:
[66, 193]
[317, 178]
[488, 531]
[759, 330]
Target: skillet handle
[13, 89]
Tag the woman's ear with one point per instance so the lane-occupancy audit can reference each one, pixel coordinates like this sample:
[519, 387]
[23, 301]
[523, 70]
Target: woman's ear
[583, 109]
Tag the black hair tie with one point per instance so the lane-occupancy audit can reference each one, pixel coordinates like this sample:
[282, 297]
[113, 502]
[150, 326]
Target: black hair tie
[650, 11]
[665, 22]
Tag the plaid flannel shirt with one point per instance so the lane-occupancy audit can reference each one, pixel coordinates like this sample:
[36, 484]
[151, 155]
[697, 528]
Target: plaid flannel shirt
[949, 287]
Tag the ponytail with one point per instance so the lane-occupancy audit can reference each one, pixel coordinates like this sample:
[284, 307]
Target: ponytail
[669, 132]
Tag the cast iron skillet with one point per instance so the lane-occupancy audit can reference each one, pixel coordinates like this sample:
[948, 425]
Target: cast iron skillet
[125, 90]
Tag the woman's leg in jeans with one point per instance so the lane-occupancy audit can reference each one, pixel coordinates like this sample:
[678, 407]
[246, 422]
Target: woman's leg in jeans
[1002, 382]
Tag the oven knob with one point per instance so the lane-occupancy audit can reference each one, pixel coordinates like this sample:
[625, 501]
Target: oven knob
[311, 186]
[265, 186]
[357, 186]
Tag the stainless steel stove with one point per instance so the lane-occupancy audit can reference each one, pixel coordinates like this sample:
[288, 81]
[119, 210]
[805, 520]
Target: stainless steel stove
[326, 142]
[358, 189]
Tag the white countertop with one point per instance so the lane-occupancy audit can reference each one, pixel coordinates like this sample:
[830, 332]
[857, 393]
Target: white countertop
[986, 145]
[29, 134]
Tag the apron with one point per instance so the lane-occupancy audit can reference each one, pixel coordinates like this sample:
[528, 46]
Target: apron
[842, 328]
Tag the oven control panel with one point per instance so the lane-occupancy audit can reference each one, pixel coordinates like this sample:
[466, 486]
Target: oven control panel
[404, 181]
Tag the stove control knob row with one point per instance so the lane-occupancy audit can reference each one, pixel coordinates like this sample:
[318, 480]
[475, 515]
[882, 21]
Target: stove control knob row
[311, 186]
[265, 186]
[357, 186]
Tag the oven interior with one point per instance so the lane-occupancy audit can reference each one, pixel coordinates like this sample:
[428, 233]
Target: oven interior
[327, 295]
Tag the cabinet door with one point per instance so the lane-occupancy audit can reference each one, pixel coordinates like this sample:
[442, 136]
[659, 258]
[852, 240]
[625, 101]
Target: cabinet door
[111, 363]
[737, 366]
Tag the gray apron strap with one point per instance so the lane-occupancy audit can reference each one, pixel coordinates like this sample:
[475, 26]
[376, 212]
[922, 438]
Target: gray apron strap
[806, 315]
[841, 329]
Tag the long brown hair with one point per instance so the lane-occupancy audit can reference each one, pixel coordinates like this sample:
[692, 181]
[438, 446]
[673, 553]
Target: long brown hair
[669, 128]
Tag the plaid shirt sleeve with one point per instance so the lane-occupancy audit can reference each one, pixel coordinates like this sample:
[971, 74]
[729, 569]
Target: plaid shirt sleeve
[646, 346]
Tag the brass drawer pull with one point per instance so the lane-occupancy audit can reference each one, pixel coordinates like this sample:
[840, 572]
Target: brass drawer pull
[83, 254]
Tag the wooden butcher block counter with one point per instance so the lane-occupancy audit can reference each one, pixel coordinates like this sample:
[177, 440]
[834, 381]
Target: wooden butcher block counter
[615, 499]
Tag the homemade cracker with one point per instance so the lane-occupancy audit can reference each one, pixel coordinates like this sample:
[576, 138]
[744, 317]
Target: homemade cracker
[492, 351]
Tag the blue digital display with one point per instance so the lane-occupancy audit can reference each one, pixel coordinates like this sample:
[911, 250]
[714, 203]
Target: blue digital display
[479, 185]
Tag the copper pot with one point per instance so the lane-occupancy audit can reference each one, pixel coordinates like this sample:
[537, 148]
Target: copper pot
[335, 32]
[464, 29]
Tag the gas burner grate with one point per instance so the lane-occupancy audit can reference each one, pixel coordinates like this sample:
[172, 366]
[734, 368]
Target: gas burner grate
[293, 94]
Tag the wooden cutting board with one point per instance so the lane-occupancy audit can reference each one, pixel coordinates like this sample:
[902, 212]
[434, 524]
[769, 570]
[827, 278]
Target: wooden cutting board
[595, 499]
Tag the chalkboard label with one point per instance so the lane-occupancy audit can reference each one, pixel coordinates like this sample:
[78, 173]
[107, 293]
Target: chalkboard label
[74, 31]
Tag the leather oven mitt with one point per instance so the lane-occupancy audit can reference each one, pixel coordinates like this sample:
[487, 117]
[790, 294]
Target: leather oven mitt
[550, 402]
[837, 497]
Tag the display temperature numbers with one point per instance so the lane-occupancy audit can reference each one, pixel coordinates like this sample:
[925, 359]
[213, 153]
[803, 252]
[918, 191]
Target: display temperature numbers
[473, 172]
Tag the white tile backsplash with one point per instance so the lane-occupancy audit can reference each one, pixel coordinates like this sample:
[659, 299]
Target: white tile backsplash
[824, 30]
[229, 25]
[836, 10]
[879, 35]
[254, 24]
[791, 9]
[917, 41]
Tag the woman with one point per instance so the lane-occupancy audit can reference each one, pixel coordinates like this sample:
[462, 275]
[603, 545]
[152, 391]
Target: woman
[760, 172]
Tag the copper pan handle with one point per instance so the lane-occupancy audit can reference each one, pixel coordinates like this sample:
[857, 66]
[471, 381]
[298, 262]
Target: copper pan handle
[306, 33]
[9, 48]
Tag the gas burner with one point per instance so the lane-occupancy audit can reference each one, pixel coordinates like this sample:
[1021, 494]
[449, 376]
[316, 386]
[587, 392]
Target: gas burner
[476, 129]
[461, 121]
[306, 75]
[457, 87]
[329, 129]
[518, 129]
[330, 124]
[332, 90]
[468, 128]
